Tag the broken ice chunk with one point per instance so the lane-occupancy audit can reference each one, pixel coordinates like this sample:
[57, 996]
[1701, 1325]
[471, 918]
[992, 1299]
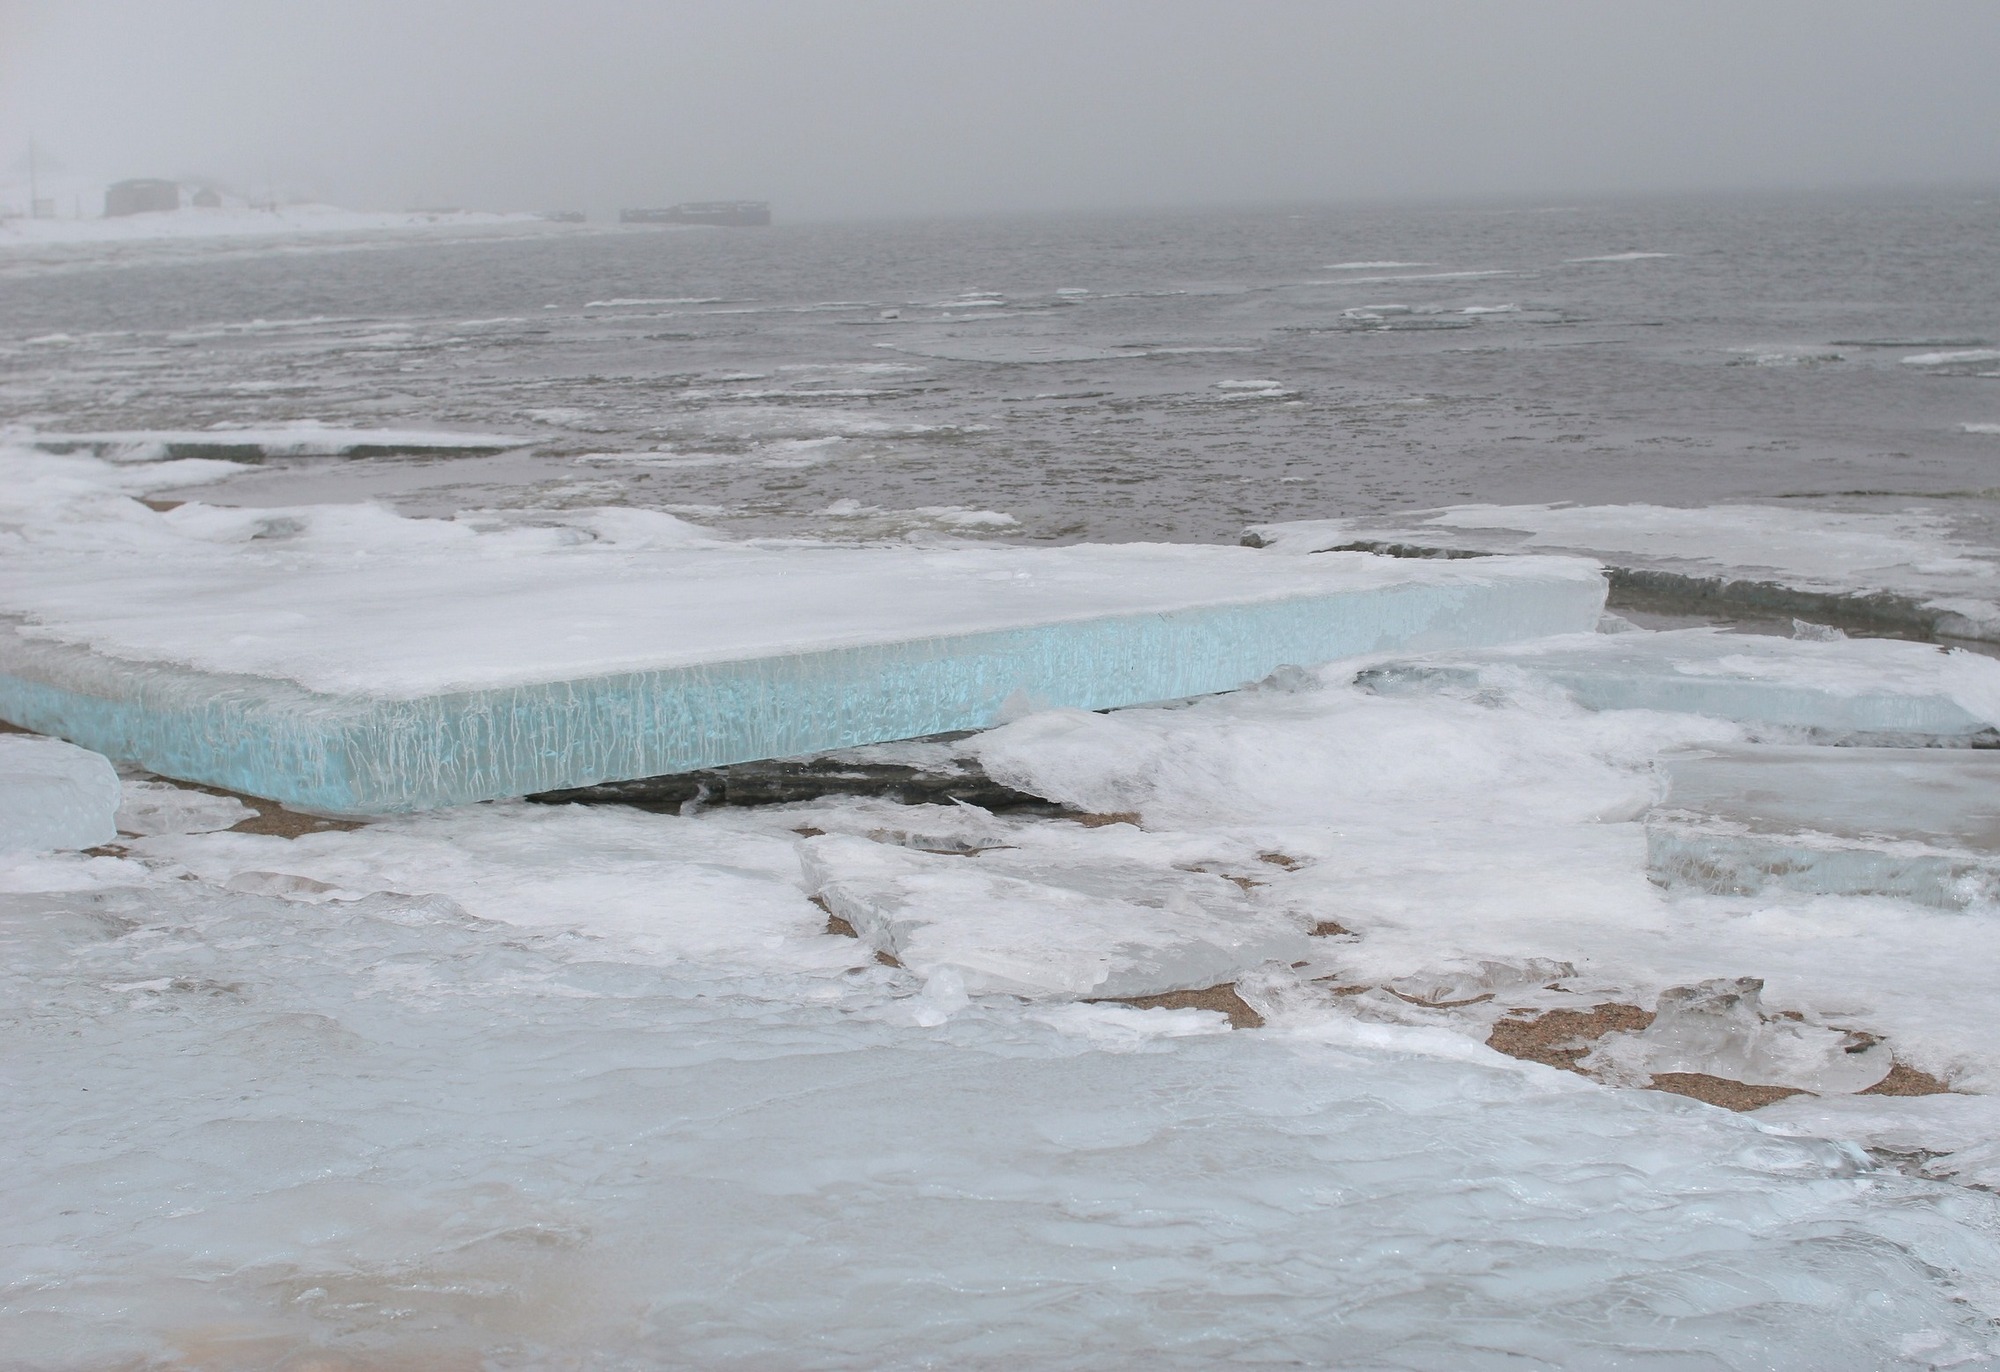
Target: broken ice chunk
[158, 807]
[1839, 690]
[1718, 1028]
[1045, 929]
[54, 795]
[1921, 825]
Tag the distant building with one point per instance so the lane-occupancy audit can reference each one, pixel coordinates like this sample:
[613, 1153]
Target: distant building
[564, 216]
[740, 214]
[207, 198]
[141, 197]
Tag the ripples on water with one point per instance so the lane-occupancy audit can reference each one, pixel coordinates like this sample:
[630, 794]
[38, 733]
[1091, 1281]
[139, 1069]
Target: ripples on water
[1170, 376]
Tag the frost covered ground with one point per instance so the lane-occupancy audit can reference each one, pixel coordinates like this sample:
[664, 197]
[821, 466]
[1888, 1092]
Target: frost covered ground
[852, 1084]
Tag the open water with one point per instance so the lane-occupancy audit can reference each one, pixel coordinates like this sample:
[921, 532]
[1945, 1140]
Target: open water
[1161, 376]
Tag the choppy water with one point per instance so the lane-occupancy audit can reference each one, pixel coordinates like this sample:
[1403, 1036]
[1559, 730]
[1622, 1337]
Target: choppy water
[1089, 376]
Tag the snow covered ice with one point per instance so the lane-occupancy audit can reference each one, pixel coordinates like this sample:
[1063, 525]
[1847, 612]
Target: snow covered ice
[403, 1130]
[285, 653]
[54, 795]
[516, 1085]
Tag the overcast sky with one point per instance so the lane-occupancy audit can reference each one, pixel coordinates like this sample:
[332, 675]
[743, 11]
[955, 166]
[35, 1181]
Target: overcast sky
[884, 107]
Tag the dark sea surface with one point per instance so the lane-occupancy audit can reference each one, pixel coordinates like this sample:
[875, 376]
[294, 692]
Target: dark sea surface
[1161, 376]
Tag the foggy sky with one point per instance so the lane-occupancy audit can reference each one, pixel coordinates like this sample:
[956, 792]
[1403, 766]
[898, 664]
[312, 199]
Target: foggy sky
[882, 107]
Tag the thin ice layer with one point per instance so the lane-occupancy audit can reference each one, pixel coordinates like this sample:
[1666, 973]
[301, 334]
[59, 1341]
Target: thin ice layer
[54, 795]
[1044, 926]
[1844, 689]
[301, 439]
[1919, 825]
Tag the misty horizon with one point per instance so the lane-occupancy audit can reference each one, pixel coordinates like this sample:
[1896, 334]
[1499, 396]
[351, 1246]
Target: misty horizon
[889, 109]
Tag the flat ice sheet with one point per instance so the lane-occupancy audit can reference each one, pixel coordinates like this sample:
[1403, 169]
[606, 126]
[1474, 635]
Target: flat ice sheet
[353, 661]
[284, 440]
[358, 599]
[1918, 824]
[1945, 798]
[1839, 690]
[1910, 554]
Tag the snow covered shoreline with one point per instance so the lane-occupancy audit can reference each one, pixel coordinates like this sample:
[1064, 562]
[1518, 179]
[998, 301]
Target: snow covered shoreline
[848, 1083]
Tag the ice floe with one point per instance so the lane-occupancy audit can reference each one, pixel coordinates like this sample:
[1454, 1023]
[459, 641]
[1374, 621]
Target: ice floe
[1829, 689]
[54, 795]
[614, 643]
[1905, 572]
[1918, 824]
[301, 439]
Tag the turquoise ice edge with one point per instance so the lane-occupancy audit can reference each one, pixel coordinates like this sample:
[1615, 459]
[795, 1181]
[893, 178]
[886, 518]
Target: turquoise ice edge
[361, 755]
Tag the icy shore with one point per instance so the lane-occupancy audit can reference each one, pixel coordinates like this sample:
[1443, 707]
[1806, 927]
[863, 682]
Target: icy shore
[847, 1083]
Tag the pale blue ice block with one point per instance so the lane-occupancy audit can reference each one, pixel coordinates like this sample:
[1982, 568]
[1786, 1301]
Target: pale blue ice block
[1852, 691]
[363, 755]
[1917, 824]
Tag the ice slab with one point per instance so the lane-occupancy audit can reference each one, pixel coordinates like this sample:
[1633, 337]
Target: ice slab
[285, 440]
[1846, 690]
[350, 662]
[156, 807]
[1922, 825]
[1038, 926]
[1908, 571]
[54, 795]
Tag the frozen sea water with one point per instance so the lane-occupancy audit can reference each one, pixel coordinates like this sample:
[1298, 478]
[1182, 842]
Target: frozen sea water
[396, 1134]
[1047, 923]
[352, 661]
[54, 795]
[1919, 824]
[1907, 570]
[1833, 690]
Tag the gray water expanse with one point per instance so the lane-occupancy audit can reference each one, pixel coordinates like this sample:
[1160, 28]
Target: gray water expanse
[1095, 378]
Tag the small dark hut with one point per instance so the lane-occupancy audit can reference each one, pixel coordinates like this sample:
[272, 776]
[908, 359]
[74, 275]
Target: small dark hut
[140, 197]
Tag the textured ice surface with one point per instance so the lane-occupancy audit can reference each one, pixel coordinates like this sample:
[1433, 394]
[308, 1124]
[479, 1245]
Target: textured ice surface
[1910, 555]
[384, 1131]
[1921, 825]
[54, 795]
[348, 660]
[1719, 1028]
[158, 807]
[593, 1087]
[1047, 924]
[1836, 689]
